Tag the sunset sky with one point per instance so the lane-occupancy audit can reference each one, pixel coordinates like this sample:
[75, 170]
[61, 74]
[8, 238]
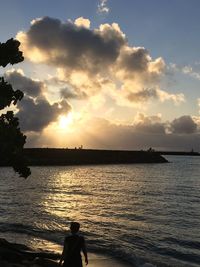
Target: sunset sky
[111, 74]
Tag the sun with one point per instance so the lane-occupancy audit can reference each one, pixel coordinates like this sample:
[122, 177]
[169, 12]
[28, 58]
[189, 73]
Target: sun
[65, 120]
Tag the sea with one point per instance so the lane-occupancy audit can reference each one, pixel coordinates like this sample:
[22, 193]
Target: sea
[136, 213]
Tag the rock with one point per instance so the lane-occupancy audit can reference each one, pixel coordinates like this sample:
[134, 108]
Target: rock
[148, 265]
[46, 262]
[17, 255]
[4, 264]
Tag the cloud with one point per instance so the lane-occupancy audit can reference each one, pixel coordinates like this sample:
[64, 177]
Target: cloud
[143, 95]
[34, 111]
[67, 93]
[82, 22]
[198, 103]
[80, 84]
[187, 70]
[183, 125]
[149, 124]
[102, 7]
[146, 131]
[143, 133]
[70, 45]
[89, 61]
[134, 59]
[20, 81]
[136, 63]
[176, 98]
[35, 115]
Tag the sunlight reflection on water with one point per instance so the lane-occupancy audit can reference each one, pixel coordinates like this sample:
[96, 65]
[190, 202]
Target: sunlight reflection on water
[149, 210]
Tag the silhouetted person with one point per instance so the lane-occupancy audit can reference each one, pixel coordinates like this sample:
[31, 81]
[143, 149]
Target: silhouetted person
[73, 245]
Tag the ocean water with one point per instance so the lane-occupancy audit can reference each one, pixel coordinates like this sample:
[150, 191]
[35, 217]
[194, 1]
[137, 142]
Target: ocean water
[140, 213]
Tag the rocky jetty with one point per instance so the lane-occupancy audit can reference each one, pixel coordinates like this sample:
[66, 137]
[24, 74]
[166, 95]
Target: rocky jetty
[62, 157]
[17, 255]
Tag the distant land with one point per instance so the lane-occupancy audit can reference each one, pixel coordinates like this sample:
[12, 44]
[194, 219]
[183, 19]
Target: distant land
[62, 157]
[179, 153]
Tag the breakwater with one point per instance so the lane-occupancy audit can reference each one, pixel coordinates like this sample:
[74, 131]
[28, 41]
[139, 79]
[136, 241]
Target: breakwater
[62, 157]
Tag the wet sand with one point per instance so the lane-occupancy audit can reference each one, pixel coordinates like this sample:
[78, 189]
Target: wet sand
[105, 261]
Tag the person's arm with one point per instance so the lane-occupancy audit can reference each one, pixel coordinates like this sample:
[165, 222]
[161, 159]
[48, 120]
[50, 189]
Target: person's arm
[63, 253]
[84, 249]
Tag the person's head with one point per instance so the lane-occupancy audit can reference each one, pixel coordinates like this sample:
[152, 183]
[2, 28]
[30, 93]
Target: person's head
[74, 227]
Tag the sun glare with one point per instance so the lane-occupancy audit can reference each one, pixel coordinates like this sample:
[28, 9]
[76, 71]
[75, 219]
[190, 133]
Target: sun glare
[65, 121]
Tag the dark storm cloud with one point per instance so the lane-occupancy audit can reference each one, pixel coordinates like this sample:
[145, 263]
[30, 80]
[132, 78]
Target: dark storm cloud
[34, 110]
[19, 81]
[69, 45]
[183, 125]
[36, 115]
[135, 60]
[85, 57]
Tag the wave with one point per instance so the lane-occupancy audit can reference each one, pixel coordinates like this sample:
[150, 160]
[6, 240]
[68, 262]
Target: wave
[142, 215]
[121, 252]
[185, 243]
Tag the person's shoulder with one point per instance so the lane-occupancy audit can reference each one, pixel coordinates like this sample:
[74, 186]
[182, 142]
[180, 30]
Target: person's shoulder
[67, 237]
[71, 236]
[76, 236]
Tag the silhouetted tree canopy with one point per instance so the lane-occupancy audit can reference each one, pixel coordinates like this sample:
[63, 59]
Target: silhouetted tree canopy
[12, 140]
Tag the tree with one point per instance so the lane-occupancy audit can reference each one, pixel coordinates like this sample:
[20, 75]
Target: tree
[12, 140]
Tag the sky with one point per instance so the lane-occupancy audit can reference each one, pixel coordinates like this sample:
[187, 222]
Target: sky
[107, 74]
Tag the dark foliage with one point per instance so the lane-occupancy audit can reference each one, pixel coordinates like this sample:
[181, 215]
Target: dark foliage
[8, 95]
[12, 140]
[9, 53]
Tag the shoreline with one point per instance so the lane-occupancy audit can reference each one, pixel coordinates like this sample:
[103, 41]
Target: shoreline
[19, 255]
[99, 260]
